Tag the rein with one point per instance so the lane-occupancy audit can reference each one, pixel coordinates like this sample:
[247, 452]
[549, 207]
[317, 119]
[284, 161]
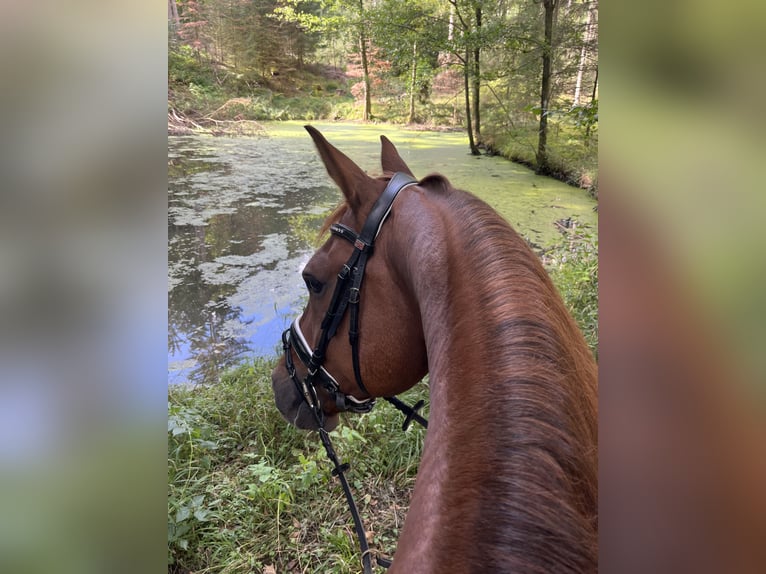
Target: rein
[346, 297]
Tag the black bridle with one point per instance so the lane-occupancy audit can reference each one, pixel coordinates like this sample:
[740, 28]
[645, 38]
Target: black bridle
[346, 298]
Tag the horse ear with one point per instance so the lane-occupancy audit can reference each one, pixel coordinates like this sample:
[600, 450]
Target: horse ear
[350, 177]
[390, 158]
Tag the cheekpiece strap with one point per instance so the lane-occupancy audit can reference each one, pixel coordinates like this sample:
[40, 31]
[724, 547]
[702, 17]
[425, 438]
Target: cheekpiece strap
[382, 207]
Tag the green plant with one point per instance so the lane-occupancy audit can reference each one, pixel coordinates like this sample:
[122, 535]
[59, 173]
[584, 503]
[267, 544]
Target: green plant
[185, 67]
[573, 266]
[585, 117]
[189, 457]
[247, 490]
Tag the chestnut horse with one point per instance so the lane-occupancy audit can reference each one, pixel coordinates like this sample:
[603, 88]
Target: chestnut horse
[508, 476]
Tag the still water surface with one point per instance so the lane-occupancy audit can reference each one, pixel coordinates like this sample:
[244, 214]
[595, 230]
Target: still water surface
[244, 212]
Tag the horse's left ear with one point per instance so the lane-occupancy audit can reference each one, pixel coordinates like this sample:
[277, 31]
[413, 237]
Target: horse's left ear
[390, 158]
[351, 179]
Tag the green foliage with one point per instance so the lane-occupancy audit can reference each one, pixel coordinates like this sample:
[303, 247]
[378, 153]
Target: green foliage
[304, 226]
[186, 68]
[573, 267]
[247, 490]
[585, 116]
[189, 458]
[571, 158]
[344, 110]
[263, 105]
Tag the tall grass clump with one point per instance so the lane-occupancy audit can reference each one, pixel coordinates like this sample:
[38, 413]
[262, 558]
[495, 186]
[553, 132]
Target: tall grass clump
[573, 267]
[247, 491]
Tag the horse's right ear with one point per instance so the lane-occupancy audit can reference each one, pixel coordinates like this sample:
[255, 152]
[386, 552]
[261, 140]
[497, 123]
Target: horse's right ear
[390, 158]
[350, 177]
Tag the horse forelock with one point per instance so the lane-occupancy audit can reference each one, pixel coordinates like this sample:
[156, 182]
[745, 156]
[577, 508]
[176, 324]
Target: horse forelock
[332, 219]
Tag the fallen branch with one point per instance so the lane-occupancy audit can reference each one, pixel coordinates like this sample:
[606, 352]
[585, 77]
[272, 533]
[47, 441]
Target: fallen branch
[179, 124]
[228, 104]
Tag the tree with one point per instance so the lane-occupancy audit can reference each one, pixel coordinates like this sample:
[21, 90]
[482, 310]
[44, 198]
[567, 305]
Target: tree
[361, 26]
[413, 81]
[242, 38]
[173, 19]
[411, 36]
[478, 27]
[550, 7]
[476, 72]
[332, 18]
[589, 35]
[464, 48]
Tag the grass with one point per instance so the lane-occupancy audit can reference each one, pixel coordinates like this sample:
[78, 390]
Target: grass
[259, 105]
[573, 267]
[247, 491]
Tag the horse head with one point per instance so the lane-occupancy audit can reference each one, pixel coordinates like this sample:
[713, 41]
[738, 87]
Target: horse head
[360, 335]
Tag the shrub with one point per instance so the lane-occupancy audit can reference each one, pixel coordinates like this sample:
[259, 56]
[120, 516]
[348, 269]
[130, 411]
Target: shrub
[573, 267]
[185, 68]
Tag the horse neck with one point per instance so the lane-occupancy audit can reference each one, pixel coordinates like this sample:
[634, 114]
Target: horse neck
[510, 451]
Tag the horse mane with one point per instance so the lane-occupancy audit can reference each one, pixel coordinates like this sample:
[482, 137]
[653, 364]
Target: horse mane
[539, 486]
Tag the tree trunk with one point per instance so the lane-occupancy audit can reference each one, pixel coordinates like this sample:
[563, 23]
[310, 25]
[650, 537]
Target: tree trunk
[413, 80]
[477, 81]
[595, 88]
[175, 21]
[587, 37]
[466, 74]
[366, 78]
[545, 88]
[592, 100]
[451, 29]
[365, 67]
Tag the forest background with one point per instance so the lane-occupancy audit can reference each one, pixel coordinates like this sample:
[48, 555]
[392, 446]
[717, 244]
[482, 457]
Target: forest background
[520, 77]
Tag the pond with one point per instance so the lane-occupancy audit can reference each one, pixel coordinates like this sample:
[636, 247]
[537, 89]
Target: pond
[243, 214]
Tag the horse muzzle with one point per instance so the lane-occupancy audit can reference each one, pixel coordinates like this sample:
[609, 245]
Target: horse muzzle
[302, 387]
[292, 405]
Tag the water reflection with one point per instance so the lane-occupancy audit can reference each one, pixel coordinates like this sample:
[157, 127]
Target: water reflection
[241, 213]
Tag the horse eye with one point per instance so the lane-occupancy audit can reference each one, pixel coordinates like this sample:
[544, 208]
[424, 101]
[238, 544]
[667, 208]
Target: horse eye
[313, 284]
